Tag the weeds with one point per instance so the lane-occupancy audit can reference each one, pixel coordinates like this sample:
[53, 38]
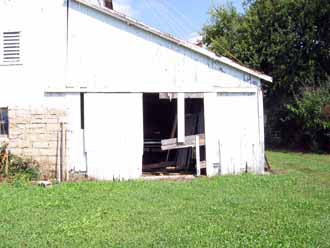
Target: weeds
[15, 168]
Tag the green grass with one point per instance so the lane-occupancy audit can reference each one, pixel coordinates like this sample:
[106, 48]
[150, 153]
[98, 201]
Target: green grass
[288, 209]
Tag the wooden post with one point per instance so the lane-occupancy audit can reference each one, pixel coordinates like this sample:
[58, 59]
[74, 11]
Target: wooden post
[67, 174]
[172, 136]
[61, 152]
[219, 169]
[181, 117]
[198, 160]
[6, 160]
[58, 157]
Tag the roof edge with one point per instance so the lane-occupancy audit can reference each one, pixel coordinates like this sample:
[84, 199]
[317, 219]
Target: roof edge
[130, 21]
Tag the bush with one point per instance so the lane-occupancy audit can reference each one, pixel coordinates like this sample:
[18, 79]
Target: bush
[26, 166]
[310, 113]
[18, 167]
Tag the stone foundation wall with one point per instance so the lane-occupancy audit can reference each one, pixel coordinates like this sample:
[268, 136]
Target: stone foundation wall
[36, 134]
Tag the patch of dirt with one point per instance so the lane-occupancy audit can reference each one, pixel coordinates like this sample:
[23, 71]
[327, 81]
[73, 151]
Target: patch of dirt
[176, 178]
[305, 170]
[278, 172]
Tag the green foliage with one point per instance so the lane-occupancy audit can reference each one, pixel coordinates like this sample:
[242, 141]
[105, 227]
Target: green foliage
[312, 109]
[3, 158]
[287, 39]
[289, 209]
[311, 112]
[225, 35]
[19, 168]
[21, 179]
[26, 166]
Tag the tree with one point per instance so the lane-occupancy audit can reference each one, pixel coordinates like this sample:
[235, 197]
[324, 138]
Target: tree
[311, 113]
[287, 39]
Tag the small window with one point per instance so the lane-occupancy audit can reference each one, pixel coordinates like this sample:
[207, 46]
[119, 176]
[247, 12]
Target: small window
[10, 48]
[4, 123]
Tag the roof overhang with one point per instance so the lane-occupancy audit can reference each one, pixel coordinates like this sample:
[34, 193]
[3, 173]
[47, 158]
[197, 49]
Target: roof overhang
[129, 21]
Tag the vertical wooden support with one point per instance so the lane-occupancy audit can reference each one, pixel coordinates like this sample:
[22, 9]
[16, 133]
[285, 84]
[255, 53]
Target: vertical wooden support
[181, 117]
[58, 157]
[198, 159]
[6, 160]
[67, 174]
[172, 136]
[61, 152]
[219, 169]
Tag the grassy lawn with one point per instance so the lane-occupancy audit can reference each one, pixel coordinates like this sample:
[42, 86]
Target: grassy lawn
[288, 209]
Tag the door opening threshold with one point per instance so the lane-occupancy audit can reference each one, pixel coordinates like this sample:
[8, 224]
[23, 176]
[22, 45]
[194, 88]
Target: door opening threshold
[171, 177]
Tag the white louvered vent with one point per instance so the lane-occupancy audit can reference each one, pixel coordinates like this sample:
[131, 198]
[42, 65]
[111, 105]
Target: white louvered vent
[10, 48]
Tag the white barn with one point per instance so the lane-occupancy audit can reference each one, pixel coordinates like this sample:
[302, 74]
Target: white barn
[85, 89]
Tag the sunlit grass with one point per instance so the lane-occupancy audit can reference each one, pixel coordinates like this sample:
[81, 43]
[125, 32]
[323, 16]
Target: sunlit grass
[288, 209]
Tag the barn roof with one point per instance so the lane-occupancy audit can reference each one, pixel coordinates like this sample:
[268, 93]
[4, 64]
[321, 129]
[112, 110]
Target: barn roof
[129, 21]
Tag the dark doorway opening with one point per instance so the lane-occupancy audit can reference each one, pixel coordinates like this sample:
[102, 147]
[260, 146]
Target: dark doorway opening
[160, 123]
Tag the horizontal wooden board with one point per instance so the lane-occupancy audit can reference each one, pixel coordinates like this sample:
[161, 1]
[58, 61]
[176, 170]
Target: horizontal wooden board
[170, 144]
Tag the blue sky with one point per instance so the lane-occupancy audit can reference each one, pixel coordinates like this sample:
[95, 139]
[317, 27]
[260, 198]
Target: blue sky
[182, 18]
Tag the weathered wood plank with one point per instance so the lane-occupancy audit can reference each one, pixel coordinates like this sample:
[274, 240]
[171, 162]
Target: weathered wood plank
[190, 140]
[198, 162]
[175, 95]
[178, 146]
[181, 117]
[161, 165]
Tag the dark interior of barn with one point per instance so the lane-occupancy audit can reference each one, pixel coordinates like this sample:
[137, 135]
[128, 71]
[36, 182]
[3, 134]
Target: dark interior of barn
[160, 124]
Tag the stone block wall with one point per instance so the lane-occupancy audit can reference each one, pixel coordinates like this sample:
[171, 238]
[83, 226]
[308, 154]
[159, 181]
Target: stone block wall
[36, 133]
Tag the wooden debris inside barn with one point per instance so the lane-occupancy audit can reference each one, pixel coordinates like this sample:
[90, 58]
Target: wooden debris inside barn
[164, 154]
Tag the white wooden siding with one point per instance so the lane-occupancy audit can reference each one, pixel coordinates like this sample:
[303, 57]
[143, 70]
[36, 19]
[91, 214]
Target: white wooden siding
[114, 136]
[76, 149]
[232, 133]
[42, 26]
[121, 58]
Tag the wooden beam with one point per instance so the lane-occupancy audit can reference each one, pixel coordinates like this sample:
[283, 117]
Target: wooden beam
[175, 95]
[190, 141]
[161, 165]
[198, 162]
[172, 135]
[181, 118]
[203, 165]
[176, 146]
